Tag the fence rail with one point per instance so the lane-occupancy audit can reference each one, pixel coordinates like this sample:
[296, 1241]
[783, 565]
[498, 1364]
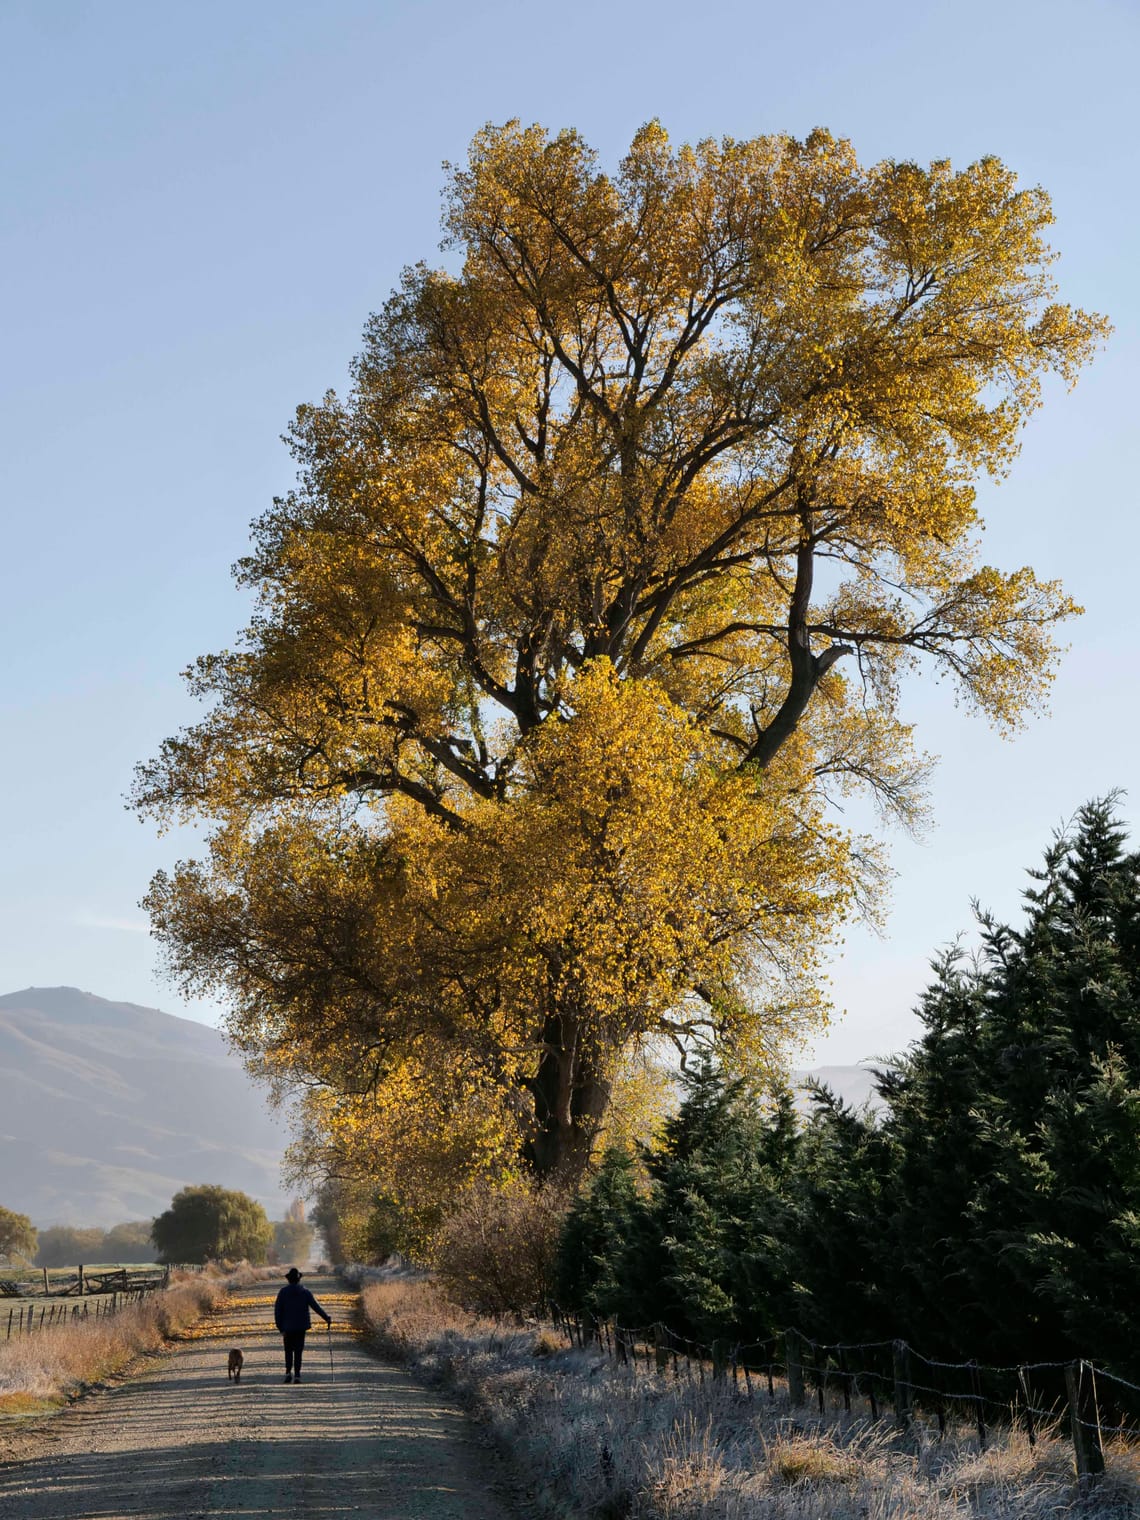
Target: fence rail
[86, 1281]
[31, 1316]
[893, 1378]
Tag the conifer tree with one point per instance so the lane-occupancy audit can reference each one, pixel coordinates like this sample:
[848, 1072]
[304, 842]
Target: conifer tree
[713, 1263]
[1008, 1212]
[603, 1229]
[1057, 1208]
[838, 1264]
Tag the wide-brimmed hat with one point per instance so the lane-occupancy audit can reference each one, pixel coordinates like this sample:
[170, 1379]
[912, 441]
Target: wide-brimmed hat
[293, 1275]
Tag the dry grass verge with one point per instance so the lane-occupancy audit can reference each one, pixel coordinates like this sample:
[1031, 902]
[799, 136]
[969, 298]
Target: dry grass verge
[592, 1440]
[41, 1371]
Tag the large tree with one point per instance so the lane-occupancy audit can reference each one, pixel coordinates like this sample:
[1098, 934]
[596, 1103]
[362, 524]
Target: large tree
[211, 1223]
[595, 589]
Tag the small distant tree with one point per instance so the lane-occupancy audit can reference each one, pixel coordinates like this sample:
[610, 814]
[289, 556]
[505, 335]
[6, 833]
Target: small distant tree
[63, 1245]
[293, 1236]
[130, 1241]
[207, 1223]
[17, 1235]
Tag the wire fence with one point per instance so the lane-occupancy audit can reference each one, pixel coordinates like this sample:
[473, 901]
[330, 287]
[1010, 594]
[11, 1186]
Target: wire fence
[29, 1317]
[892, 1379]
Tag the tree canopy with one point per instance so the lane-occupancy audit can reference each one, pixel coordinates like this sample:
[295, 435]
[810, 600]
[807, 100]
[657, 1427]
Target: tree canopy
[17, 1235]
[594, 593]
[64, 1245]
[211, 1223]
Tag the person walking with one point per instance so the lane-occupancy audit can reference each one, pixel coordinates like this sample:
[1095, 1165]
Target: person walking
[291, 1316]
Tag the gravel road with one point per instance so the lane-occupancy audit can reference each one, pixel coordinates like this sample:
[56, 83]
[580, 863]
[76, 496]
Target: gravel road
[179, 1440]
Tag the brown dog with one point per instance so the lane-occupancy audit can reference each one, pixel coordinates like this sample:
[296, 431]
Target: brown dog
[234, 1368]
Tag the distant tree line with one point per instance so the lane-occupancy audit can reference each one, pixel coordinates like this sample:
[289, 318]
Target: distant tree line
[989, 1208]
[203, 1223]
[63, 1245]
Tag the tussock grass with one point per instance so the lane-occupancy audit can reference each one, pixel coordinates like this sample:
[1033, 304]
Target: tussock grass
[47, 1368]
[592, 1440]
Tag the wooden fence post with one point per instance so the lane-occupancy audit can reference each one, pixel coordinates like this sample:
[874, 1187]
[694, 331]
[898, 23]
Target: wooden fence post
[1027, 1397]
[900, 1358]
[1086, 1432]
[979, 1405]
[660, 1349]
[793, 1360]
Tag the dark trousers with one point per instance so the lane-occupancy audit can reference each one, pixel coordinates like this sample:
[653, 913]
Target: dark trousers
[294, 1350]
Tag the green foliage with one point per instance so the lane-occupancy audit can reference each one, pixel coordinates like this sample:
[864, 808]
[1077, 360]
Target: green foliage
[991, 1209]
[716, 1195]
[836, 1259]
[326, 1217]
[130, 1241]
[704, 1250]
[17, 1235]
[63, 1245]
[596, 1248]
[67, 1246]
[208, 1223]
[390, 1228]
[1011, 1149]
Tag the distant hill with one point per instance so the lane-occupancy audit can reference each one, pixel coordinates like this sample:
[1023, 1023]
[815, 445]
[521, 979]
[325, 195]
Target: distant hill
[107, 1109]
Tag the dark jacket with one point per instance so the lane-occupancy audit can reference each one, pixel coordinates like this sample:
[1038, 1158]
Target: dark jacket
[291, 1311]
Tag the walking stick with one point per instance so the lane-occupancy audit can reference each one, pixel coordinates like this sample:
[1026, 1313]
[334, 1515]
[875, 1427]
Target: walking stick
[328, 1332]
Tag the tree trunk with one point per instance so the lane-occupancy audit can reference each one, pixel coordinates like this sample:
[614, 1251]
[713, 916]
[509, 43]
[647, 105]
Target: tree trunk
[570, 1098]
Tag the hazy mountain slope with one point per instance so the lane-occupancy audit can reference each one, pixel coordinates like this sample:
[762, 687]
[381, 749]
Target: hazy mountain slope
[107, 1109]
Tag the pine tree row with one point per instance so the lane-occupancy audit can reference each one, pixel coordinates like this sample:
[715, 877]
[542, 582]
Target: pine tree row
[987, 1206]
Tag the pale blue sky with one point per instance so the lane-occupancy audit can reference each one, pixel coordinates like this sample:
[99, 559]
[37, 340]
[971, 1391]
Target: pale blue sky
[203, 202]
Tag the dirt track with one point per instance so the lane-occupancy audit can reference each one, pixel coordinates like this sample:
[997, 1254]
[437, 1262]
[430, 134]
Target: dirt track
[180, 1442]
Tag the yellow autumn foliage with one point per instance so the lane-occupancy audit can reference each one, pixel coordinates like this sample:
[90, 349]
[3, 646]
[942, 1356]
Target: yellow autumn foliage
[596, 591]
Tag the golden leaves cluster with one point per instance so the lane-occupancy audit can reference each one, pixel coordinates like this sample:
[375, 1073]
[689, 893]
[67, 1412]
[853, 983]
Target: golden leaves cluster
[599, 586]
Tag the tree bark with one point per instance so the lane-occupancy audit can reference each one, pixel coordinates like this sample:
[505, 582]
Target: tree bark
[570, 1098]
